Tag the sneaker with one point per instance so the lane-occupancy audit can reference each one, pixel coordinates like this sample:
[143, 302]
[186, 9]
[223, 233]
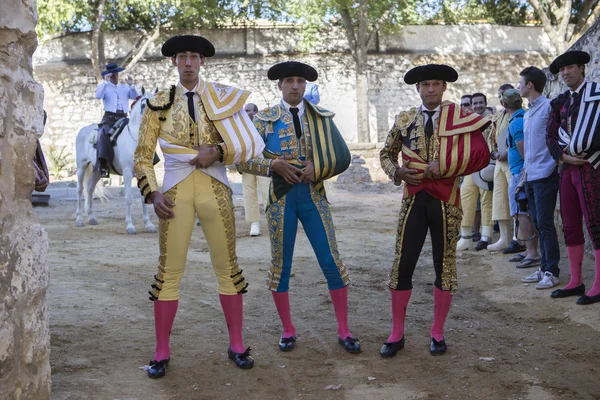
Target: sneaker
[533, 278]
[548, 281]
[255, 229]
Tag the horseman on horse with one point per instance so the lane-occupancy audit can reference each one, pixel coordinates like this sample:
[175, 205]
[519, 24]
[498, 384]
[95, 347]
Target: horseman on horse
[116, 98]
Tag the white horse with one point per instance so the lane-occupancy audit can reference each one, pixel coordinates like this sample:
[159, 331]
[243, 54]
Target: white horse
[88, 176]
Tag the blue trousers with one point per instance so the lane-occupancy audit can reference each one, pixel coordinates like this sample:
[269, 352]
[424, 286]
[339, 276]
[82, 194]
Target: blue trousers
[305, 204]
[541, 196]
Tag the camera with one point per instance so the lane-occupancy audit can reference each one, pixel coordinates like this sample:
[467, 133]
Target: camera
[521, 198]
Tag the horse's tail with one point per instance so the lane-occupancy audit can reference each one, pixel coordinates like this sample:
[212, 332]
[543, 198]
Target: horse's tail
[99, 190]
[86, 155]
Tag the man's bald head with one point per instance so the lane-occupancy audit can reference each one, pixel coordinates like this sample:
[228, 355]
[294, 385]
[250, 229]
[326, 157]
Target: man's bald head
[251, 110]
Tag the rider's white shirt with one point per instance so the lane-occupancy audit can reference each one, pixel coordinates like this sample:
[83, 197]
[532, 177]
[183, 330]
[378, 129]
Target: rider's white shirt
[116, 97]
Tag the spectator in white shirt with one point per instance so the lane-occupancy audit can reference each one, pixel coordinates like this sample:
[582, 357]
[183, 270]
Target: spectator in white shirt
[115, 97]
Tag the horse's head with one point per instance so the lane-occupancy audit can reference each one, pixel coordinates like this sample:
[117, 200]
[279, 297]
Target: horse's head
[137, 109]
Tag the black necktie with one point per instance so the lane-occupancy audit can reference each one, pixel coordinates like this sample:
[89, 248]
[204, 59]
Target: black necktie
[297, 126]
[429, 124]
[573, 101]
[191, 108]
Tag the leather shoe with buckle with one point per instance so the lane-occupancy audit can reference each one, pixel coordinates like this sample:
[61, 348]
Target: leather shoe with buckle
[158, 369]
[437, 348]
[287, 344]
[242, 360]
[560, 293]
[350, 344]
[585, 300]
[390, 349]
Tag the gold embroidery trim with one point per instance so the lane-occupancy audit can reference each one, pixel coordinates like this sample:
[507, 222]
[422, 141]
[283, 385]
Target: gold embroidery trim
[405, 209]
[226, 210]
[325, 213]
[163, 229]
[275, 213]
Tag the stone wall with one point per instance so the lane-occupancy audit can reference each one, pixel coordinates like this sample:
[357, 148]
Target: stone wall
[24, 332]
[485, 57]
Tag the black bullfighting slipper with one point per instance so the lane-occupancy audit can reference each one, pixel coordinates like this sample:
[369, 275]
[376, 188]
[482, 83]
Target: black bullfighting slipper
[390, 349]
[560, 293]
[585, 300]
[350, 344]
[242, 360]
[482, 245]
[437, 348]
[287, 344]
[158, 369]
[513, 247]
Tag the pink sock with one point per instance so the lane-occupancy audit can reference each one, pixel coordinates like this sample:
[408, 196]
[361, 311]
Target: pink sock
[400, 300]
[441, 300]
[282, 303]
[595, 291]
[164, 315]
[339, 297]
[575, 259]
[233, 308]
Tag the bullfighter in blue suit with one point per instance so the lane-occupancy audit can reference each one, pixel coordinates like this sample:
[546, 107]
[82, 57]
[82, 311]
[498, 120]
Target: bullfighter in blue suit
[303, 148]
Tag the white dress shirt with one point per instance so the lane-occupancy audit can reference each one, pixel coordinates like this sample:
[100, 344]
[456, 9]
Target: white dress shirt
[426, 116]
[196, 96]
[301, 107]
[578, 90]
[116, 97]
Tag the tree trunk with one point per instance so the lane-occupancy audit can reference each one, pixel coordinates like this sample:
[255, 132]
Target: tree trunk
[138, 51]
[98, 59]
[362, 99]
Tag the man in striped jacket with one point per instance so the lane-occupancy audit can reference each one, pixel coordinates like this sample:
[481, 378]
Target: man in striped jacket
[573, 137]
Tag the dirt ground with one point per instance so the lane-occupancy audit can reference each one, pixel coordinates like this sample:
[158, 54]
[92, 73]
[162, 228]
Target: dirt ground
[506, 340]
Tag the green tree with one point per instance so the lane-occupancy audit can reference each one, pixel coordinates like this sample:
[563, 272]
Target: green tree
[146, 17]
[362, 21]
[564, 21]
[501, 12]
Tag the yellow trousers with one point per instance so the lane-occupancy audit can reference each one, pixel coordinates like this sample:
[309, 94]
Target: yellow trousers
[469, 192]
[500, 204]
[209, 199]
[250, 185]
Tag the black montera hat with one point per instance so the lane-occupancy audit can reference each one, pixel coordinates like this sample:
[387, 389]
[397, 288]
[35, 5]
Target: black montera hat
[183, 43]
[292, 68]
[569, 58]
[431, 72]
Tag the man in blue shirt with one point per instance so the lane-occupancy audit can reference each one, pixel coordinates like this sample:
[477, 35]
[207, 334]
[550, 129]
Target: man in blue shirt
[511, 99]
[115, 97]
[541, 176]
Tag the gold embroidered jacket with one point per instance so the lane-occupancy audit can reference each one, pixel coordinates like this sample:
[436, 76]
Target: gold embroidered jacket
[170, 121]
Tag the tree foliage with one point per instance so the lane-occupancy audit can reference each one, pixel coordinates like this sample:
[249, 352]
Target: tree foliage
[147, 17]
[59, 17]
[501, 12]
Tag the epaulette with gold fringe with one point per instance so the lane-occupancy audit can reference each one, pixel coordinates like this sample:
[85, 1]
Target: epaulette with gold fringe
[163, 100]
[406, 118]
[270, 114]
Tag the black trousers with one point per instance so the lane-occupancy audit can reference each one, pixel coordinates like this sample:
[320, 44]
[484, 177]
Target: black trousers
[419, 214]
[104, 146]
